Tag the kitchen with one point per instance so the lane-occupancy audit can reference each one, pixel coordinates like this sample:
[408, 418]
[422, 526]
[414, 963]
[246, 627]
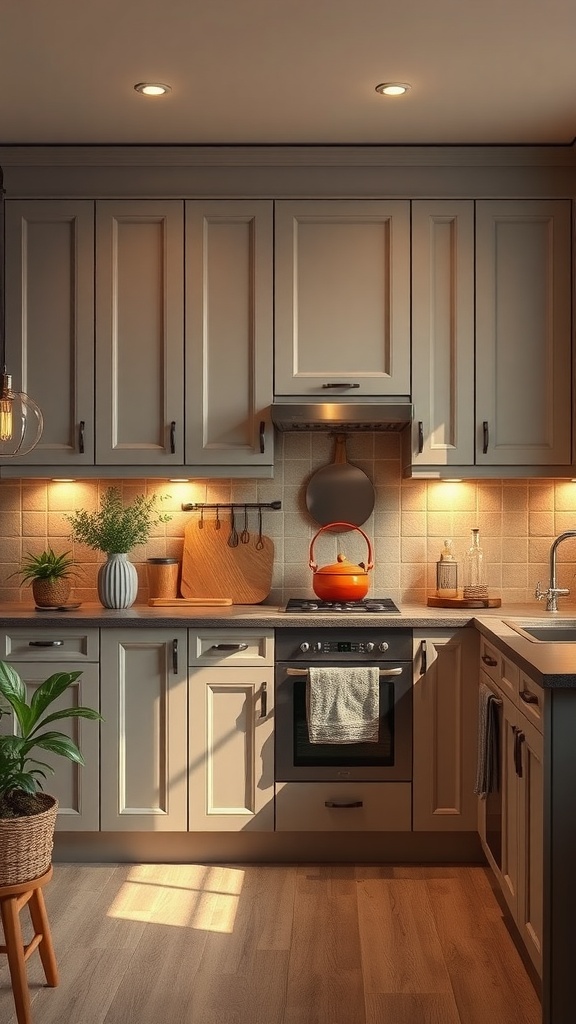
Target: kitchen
[144, 192]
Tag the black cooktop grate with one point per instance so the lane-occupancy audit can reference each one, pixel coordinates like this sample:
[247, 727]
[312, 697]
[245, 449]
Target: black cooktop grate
[311, 605]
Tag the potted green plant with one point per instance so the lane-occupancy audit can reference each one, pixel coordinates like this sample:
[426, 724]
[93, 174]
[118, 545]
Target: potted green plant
[115, 528]
[27, 814]
[50, 575]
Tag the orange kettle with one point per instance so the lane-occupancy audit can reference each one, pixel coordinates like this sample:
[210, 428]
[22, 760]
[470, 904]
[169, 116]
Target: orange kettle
[341, 581]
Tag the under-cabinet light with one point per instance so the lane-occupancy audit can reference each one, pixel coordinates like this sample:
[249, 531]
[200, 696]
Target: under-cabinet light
[152, 88]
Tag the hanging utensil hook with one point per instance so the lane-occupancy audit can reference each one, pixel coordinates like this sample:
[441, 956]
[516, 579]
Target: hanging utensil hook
[218, 523]
[245, 536]
[233, 538]
[259, 543]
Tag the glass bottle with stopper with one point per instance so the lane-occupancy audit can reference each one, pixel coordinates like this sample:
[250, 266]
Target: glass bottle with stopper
[475, 586]
[447, 572]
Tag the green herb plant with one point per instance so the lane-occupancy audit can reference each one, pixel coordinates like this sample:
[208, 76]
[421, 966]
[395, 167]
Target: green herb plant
[46, 566]
[116, 528]
[21, 774]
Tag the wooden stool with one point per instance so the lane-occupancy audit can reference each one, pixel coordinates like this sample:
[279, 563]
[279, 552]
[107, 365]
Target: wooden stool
[12, 899]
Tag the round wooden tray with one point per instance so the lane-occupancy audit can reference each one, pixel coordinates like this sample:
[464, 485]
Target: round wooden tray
[460, 602]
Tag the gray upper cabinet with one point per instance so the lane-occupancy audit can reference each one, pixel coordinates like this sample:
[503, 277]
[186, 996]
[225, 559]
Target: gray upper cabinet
[491, 315]
[97, 294]
[139, 333]
[50, 322]
[523, 332]
[229, 324]
[342, 298]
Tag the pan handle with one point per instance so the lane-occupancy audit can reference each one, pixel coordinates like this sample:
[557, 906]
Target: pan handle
[349, 526]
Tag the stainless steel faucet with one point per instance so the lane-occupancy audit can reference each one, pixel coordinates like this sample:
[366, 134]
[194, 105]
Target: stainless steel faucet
[554, 592]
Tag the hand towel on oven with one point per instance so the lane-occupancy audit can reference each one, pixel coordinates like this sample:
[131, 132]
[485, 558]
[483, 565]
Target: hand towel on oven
[343, 704]
[488, 764]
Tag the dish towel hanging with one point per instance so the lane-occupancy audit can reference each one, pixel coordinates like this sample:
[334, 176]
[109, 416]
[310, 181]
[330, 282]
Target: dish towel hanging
[343, 704]
[488, 765]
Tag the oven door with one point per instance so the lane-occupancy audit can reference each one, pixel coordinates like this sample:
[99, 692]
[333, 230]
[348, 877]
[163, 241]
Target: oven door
[389, 759]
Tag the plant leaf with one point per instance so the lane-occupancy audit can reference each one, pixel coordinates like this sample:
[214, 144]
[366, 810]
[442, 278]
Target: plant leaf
[48, 692]
[79, 712]
[58, 743]
[14, 691]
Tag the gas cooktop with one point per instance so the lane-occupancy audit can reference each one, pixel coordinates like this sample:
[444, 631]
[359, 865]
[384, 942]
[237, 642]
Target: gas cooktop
[369, 604]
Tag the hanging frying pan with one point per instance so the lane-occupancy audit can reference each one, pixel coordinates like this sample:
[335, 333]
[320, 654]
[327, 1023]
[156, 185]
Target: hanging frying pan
[340, 492]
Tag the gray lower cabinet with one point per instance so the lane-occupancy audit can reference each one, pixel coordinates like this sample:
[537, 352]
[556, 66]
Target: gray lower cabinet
[231, 731]
[144, 730]
[445, 730]
[36, 654]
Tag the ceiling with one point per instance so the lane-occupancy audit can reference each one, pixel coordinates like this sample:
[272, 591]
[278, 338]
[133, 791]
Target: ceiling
[288, 71]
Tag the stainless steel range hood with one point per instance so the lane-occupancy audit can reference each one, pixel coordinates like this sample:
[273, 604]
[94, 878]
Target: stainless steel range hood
[392, 414]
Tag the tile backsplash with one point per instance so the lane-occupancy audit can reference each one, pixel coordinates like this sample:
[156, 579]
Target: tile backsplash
[517, 519]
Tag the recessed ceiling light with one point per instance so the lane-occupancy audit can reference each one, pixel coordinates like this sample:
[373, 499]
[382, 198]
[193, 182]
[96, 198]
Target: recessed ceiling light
[152, 88]
[392, 88]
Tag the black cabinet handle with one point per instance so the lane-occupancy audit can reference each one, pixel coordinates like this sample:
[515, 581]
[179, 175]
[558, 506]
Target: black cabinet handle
[519, 738]
[420, 437]
[489, 661]
[263, 701]
[173, 437]
[423, 658]
[485, 437]
[81, 437]
[262, 437]
[345, 385]
[229, 647]
[529, 698]
[353, 803]
[45, 643]
[175, 656]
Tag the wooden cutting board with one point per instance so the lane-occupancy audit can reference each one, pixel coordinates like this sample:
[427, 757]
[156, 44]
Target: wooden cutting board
[459, 602]
[210, 566]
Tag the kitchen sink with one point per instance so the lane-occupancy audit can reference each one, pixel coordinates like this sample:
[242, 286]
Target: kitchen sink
[557, 631]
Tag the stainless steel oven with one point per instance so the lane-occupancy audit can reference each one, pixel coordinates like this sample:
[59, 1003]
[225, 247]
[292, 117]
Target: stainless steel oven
[390, 757]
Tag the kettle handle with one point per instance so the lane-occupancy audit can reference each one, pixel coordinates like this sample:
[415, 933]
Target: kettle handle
[350, 526]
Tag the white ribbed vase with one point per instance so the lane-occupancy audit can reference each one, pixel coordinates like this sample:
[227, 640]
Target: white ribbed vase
[117, 582]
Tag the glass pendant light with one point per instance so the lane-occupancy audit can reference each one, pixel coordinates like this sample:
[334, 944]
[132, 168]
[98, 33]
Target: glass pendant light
[20, 418]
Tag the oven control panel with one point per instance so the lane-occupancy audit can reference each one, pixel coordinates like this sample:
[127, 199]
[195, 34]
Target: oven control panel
[343, 647]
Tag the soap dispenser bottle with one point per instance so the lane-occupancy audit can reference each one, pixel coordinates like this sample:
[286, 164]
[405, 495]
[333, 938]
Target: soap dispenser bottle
[447, 572]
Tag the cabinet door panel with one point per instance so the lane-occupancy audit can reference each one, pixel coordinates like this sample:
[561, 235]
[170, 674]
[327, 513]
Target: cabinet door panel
[531, 843]
[443, 332]
[523, 328]
[510, 807]
[144, 765]
[50, 322]
[229, 333]
[445, 731]
[75, 786]
[231, 749]
[139, 333]
[342, 293]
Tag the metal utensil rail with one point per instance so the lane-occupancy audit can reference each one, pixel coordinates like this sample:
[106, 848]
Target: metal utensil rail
[193, 506]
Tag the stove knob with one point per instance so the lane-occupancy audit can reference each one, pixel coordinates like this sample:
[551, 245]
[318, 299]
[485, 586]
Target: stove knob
[383, 647]
[304, 647]
[369, 646]
[317, 648]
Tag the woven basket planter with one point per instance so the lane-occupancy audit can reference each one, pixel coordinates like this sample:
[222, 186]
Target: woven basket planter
[51, 593]
[26, 843]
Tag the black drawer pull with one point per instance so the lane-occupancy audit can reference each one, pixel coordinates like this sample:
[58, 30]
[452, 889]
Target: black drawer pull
[420, 437]
[485, 437]
[345, 385]
[263, 701]
[81, 437]
[529, 698]
[353, 803]
[229, 647]
[173, 437]
[45, 643]
[175, 656]
[262, 437]
[489, 661]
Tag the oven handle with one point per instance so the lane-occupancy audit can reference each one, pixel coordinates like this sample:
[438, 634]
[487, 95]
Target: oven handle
[304, 671]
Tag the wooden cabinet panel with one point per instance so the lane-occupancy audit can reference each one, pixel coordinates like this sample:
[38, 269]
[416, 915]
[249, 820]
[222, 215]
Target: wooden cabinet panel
[523, 332]
[343, 806]
[229, 329]
[445, 732]
[342, 297]
[144, 733]
[75, 786]
[50, 322]
[139, 333]
[231, 774]
[443, 332]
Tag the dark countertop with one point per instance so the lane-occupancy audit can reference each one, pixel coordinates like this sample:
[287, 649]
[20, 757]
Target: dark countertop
[552, 665]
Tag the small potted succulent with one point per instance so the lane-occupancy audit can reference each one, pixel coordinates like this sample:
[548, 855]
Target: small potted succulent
[115, 528]
[50, 575]
[27, 814]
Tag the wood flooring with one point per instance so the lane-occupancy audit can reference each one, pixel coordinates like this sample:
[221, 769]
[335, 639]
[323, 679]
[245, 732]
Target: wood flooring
[270, 944]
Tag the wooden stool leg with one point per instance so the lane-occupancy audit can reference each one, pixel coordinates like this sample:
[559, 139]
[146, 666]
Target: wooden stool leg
[39, 917]
[16, 962]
